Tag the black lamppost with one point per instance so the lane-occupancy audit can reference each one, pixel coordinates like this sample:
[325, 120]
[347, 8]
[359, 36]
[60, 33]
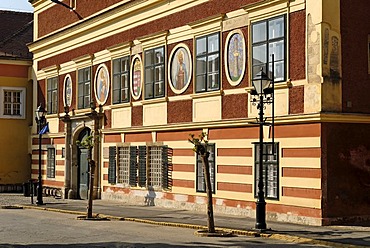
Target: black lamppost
[41, 121]
[264, 94]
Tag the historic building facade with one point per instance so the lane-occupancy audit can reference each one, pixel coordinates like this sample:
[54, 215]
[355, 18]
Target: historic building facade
[141, 75]
[16, 99]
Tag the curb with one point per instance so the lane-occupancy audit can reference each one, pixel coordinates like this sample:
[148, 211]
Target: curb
[284, 237]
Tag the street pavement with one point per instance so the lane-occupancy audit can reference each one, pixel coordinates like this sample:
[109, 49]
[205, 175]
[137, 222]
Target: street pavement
[331, 236]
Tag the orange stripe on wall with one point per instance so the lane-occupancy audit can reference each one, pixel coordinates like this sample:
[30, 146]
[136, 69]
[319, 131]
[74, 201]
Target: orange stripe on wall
[302, 193]
[170, 136]
[183, 167]
[59, 152]
[112, 138]
[234, 152]
[37, 152]
[105, 165]
[301, 152]
[59, 141]
[234, 133]
[301, 172]
[60, 162]
[51, 183]
[183, 183]
[105, 177]
[234, 169]
[36, 162]
[235, 187]
[293, 210]
[44, 141]
[20, 71]
[116, 189]
[138, 137]
[302, 130]
[59, 173]
[183, 152]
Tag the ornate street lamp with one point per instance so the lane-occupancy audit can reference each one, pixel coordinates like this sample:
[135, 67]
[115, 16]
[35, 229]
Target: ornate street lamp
[262, 90]
[41, 122]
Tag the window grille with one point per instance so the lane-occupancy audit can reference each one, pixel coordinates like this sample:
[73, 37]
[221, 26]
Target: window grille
[123, 170]
[201, 183]
[50, 169]
[155, 166]
[270, 170]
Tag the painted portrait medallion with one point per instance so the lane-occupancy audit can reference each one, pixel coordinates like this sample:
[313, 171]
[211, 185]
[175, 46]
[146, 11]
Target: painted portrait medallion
[235, 56]
[136, 79]
[67, 93]
[102, 84]
[180, 70]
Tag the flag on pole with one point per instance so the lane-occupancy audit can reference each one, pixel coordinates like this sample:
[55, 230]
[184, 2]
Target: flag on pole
[45, 129]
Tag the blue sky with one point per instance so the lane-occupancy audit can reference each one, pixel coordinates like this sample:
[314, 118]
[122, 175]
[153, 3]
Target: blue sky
[16, 5]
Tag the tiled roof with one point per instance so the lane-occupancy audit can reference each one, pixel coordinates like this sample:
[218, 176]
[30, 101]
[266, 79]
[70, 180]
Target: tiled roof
[16, 31]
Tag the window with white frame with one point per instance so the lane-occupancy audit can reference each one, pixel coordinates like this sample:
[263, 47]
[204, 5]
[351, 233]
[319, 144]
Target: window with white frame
[154, 73]
[13, 102]
[269, 37]
[270, 169]
[84, 88]
[52, 95]
[207, 67]
[50, 168]
[121, 74]
[201, 183]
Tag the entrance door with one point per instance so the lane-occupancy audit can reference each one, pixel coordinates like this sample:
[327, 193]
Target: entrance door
[83, 167]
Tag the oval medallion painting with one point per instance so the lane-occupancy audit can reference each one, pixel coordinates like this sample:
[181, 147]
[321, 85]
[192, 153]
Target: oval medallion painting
[136, 79]
[235, 57]
[67, 91]
[180, 68]
[101, 85]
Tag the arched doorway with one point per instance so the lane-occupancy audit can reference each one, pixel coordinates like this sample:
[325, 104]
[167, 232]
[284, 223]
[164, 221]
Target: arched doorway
[83, 166]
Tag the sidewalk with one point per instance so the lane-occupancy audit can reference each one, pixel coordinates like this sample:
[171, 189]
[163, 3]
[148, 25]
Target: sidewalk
[333, 236]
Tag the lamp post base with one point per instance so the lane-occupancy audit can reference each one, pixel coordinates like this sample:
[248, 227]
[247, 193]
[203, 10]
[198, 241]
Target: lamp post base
[260, 215]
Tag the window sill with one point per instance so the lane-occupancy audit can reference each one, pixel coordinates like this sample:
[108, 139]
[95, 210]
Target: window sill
[121, 105]
[207, 94]
[155, 100]
[278, 86]
[52, 116]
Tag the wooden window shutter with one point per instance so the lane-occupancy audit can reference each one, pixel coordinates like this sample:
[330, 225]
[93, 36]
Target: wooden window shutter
[133, 166]
[166, 167]
[142, 166]
[112, 165]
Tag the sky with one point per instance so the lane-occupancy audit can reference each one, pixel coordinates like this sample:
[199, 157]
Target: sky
[16, 5]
